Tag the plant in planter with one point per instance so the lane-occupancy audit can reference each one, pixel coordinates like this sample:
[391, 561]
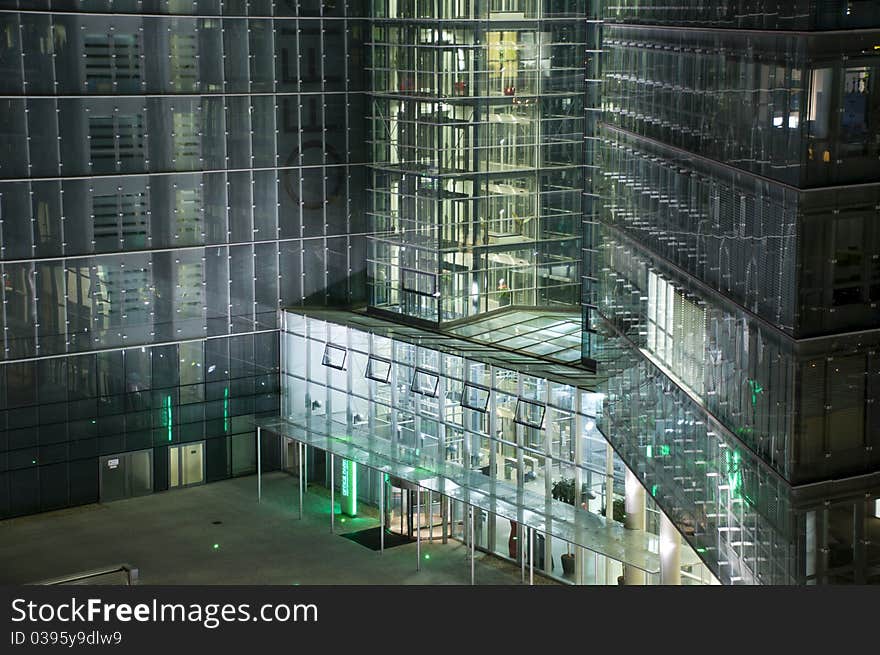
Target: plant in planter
[618, 510]
[563, 489]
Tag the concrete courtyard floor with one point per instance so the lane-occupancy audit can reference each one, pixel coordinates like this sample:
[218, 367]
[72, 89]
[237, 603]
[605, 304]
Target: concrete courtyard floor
[173, 538]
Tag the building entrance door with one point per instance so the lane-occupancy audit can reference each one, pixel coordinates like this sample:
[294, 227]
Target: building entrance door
[186, 465]
[125, 475]
[402, 507]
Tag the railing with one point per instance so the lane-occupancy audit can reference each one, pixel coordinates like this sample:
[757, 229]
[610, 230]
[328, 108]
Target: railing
[123, 574]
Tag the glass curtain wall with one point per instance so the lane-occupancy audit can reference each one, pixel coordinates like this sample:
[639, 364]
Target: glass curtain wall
[736, 188]
[171, 173]
[749, 14]
[441, 409]
[477, 136]
[784, 106]
[543, 437]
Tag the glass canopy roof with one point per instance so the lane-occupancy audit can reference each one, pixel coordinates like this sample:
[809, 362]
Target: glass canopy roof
[551, 517]
[481, 347]
[551, 335]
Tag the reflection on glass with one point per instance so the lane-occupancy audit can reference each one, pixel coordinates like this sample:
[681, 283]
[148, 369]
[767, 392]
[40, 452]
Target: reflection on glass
[378, 369]
[529, 414]
[425, 383]
[334, 357]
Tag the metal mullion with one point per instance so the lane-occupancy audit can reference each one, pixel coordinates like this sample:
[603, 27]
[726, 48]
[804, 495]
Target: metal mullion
[323, 114]
[299, 167]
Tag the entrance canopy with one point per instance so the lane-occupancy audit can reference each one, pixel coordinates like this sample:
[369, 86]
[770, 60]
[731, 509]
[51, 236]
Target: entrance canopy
[546, 515]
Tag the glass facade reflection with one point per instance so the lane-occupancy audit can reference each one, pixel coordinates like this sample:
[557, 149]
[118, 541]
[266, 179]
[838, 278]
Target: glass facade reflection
[732, 278]
[175, 176]
[508, 433]
[171, 173]
[748, 14]
[784, 106]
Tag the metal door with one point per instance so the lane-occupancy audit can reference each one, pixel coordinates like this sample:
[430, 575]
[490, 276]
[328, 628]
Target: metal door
[112, 478]
[125, 475]
[186, 464]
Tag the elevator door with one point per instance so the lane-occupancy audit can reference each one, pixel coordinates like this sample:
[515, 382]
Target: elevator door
[186, 465]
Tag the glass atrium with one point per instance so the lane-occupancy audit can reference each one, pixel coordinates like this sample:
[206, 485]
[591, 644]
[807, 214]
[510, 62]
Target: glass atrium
[470, 423]
[478, 123]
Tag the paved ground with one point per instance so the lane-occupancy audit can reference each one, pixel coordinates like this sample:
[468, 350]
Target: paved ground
[172, 538]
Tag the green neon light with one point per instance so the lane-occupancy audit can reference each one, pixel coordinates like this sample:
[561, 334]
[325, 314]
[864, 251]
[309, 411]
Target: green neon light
[733, 460]
[756, 388]
[166, 416]
[663, 451]
[226, 409]
[348, 504]
[734, 476]
[654, 489]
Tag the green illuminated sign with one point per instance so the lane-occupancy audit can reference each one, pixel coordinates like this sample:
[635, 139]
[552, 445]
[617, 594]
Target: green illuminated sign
[348, 504]
[166, 416]
[226, 409]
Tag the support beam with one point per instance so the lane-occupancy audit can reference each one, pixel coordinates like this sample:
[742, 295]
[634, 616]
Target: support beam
[299, 452]
[332, 493]
[418, 528]
[472, 545]
[609, 506]
[430, 516]
[259, 466]
[635, 520]
[670, 552]
[444, 518]
[381, 512]
[531, 556]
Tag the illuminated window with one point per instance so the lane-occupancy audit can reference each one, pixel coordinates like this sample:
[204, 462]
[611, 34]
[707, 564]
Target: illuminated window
[676, 331]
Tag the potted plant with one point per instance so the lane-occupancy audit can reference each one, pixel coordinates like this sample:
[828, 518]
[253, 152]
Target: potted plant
[618, 510]
[563, 489]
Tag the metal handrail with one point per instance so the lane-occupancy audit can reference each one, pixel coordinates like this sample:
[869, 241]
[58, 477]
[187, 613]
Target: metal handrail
[131, 575]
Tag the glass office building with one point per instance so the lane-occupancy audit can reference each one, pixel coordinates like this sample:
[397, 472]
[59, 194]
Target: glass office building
[492, 193]
[736, 262]
[171, 173]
